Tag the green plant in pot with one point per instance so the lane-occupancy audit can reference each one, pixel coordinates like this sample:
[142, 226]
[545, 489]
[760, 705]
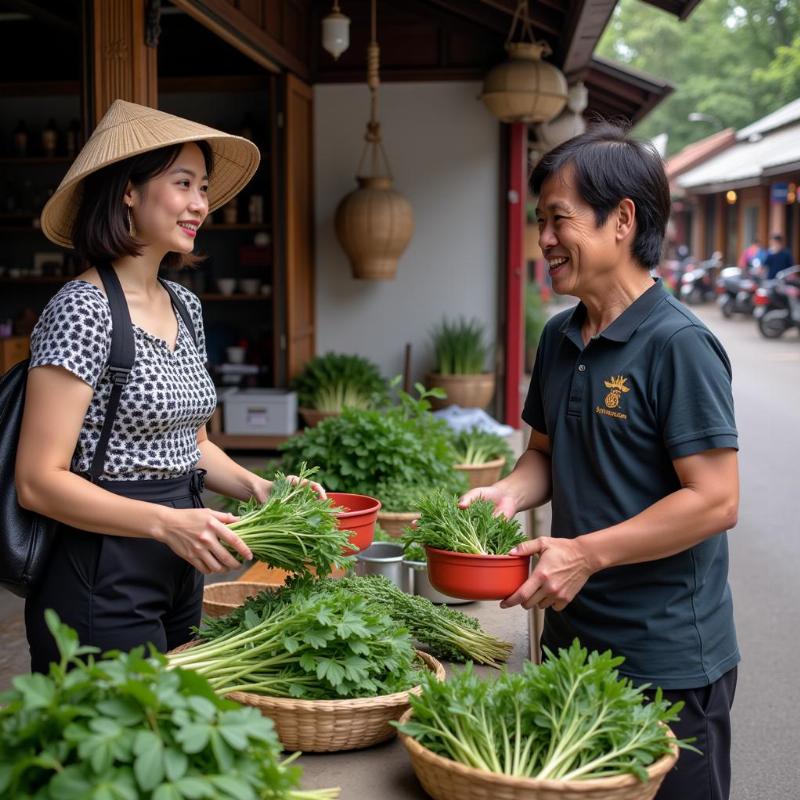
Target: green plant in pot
[381, 452]
[482, 456]
[334, 381]
[535, 319]
[461, 352]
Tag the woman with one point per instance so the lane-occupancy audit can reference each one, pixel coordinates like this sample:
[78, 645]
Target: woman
[126, 568]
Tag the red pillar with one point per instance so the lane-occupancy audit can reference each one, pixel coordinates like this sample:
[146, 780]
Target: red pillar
[515, 269]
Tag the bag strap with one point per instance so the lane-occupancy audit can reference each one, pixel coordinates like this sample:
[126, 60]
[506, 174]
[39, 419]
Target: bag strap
[179, 306]
[120, 362]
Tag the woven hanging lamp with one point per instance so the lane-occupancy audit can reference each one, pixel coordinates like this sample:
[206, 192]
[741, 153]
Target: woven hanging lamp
[374, 223]
[525, 88]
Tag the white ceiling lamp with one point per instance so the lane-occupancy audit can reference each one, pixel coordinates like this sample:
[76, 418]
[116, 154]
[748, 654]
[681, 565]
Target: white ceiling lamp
[336, 31]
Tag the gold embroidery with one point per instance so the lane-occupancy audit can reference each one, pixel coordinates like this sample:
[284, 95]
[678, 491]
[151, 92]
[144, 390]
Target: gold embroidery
[617, 386]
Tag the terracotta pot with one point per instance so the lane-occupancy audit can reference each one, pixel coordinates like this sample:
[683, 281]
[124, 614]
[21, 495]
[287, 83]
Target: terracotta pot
[312, 416]
[394, 522]
[476, 577]
[482, 474]
[359, 517]
[466, 391]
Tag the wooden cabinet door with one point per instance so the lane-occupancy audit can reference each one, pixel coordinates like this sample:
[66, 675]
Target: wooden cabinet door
[299, 224]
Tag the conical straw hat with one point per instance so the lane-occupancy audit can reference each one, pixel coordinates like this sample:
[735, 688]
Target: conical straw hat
[128, 129]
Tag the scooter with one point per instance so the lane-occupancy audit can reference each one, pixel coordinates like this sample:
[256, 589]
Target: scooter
[696, 285]
[736, 289]
[782, 308]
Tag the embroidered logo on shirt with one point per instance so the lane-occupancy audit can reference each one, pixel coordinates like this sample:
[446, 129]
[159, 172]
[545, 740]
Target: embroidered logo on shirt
[618, 387]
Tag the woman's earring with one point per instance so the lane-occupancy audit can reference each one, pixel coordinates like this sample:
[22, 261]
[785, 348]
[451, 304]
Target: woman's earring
[131, 228]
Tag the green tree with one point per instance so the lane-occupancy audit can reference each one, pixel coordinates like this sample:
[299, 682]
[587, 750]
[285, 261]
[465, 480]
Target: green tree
[735, 61]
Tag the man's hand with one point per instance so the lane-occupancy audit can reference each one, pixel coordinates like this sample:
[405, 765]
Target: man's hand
[562, 571]
[504, 503]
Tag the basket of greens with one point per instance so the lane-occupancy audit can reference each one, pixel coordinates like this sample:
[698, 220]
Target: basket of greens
[467, 547]
[330, 668]
[124, 727]
[568, 729]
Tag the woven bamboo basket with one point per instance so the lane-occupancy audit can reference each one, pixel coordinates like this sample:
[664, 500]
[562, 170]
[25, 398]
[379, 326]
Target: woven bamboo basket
[395, 522]
[444, 779]
[482, 474]
[220, 599]
[331, 726]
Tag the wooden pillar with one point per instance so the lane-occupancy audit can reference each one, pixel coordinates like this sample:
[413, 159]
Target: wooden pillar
[123, 65]
[515, 270]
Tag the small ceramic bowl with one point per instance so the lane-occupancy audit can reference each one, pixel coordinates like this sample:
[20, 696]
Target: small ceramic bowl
[226, 286]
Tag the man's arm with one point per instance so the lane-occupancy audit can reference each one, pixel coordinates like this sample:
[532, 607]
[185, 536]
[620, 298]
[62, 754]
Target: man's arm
[706, 504]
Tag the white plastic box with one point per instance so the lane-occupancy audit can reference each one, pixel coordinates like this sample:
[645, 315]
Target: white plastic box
[271, 412]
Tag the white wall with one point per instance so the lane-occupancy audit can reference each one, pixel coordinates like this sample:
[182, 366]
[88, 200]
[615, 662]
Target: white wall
[444, 151]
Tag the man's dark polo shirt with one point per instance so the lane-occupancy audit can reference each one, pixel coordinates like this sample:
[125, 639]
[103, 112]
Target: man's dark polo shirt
[653, 387]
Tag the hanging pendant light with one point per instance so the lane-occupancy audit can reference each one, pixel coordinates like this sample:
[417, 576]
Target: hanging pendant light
[374, 223]
[525, 88]
[336, 31]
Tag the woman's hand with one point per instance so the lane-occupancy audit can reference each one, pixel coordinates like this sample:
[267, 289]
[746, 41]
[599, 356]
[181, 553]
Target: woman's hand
[504, 503]
[262, 488]
[197, 534]
[317, 487]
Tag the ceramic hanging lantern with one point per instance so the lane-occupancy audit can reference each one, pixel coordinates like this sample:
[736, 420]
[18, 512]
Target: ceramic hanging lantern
[525, 88]
[374, 223]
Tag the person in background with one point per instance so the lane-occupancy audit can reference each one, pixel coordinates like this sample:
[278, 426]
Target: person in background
[752, 252]
[634, 441]
[778, 257]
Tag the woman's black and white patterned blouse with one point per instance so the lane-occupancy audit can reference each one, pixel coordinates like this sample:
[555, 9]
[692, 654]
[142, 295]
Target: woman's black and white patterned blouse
[168, 397]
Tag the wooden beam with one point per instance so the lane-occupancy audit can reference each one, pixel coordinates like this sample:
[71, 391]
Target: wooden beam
[242, 33]
[584, 29]
[547, 18]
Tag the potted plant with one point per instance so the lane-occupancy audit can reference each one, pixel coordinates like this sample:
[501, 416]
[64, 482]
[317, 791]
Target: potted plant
[535, 319]
[460, 354]
[467, 548]
[482, 456]
[382, 452]
[335, 381]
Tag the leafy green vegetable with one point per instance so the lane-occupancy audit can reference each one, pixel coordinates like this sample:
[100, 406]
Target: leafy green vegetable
[570, 718]
[293, 528]
[442, 631]
[335, 381]
[415, 552]
[475, 529]
[314, 645]
[474, 446]
[123, 727]
[371, 452]
[459, 347]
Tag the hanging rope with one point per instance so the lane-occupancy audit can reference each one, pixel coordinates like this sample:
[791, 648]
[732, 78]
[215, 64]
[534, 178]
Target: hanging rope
[372, 137]
[521, 16]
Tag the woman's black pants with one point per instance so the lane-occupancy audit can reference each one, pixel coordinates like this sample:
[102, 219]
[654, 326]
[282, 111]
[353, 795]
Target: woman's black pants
[118, 591]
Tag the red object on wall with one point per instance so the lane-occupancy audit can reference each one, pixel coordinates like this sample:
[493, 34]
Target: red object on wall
[515, 269]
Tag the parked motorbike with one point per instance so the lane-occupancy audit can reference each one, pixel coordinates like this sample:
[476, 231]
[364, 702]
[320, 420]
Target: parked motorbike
[778, 304]
[736, 289]
[697, 285]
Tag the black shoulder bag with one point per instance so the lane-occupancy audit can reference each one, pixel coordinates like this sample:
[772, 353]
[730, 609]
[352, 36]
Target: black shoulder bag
[25, 536]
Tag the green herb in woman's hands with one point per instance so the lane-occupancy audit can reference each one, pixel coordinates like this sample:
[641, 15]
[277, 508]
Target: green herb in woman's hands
[474, 529]
[294, 528]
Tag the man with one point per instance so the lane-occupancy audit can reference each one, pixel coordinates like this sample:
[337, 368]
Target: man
[750, 253]
[778, 257]
[634, 441]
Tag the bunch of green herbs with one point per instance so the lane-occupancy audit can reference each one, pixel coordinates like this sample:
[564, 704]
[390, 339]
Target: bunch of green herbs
[313, 645]
[294, 528]
[459, 347]
[123, 727]
[371, 452]
[474, 446]
[571, 718]
[442, 631]
[474, 529]
[335, 381]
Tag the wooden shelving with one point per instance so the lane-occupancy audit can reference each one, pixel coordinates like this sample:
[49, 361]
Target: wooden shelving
[212, 296]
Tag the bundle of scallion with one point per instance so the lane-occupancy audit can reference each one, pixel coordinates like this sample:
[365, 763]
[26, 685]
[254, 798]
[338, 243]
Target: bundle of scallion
[321, 646]
[475, 529]
[294, 528]
[442, 631]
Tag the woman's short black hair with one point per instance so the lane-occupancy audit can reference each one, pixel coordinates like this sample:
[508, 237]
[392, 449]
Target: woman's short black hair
[100, 232]
[609, 166]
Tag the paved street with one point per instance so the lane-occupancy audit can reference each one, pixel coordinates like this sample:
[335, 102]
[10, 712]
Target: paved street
[765, 554]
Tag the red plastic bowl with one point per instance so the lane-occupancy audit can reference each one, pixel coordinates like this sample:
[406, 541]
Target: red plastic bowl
[476, 577]
[359, 517]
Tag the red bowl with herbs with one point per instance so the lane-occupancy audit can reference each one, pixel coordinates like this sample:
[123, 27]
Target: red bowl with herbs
[476, 577]
[358, 516]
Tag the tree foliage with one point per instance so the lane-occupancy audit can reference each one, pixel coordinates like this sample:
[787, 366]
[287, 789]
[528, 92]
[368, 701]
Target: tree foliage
[733, 60]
